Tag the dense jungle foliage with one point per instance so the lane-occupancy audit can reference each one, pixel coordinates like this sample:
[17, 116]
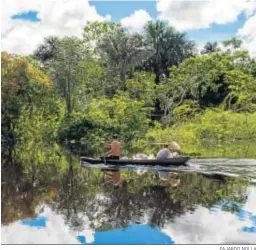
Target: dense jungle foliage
[148, 88]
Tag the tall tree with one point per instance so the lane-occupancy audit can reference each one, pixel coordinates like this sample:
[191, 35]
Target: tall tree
[63, 59]
[47, 51]
[210, 47]
[170, 48]
[94, 32]
[233, 42]
[123, 52]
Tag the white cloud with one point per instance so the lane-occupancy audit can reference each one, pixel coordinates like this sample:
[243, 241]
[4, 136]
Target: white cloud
[58, 17]
[55, 232]
[191, 14]
[136, 20]
[248, 34]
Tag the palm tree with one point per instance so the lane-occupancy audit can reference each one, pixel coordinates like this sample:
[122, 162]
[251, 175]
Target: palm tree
[210, 48]
[234, 42]
[170, 48]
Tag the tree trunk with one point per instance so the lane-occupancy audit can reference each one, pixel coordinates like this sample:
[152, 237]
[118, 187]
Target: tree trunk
[122, 78]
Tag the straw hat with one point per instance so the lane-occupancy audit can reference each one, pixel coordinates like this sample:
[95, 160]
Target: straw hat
[174, 146]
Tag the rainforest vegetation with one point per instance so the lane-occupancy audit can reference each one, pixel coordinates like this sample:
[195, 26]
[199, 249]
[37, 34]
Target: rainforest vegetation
[76, 93]
[148, 88]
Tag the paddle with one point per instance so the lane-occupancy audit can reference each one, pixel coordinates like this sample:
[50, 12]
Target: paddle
[104, 159]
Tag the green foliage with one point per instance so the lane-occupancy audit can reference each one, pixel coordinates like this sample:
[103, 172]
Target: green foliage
[94, 32]
[212, 80]
[126, 116]
[213, 133]
[29, 104]
[242, 96]
[113, 81]
[105, 117]
[94, 82]
[186, 111]
[233, 42]
[201, 78]
[123, 52]
[42, 118]
[89, 134]
[66, 69]
[142, 87]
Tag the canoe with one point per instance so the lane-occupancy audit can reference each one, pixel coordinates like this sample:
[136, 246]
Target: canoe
[152, 162]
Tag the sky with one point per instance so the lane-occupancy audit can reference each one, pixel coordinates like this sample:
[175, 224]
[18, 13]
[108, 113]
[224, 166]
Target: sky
[25, 23]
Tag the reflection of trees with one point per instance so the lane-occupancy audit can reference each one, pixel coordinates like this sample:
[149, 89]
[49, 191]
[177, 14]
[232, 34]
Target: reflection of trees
[18, 195]
[82, 199]
[77, 187]
[123, 207]
[159, 203]
[196, 189]
[26, 182]
[107, 207]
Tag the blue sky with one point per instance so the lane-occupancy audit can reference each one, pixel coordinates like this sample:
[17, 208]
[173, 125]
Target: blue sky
[27, 16]
[119, 10]
[198, 19]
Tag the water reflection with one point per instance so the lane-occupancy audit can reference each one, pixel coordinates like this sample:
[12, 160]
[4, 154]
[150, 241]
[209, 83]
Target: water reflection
[132, 234]
[62, 203]
[217, 225]
[200, 226]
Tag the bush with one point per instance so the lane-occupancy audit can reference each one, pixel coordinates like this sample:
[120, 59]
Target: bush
[213, 133]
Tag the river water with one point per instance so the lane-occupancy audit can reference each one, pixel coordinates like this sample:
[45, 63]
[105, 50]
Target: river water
[213, 202]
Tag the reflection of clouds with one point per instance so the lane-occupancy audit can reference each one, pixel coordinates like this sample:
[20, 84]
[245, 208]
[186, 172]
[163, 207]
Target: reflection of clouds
[34, 231]
[203, 226]
[219, 227]
[250, 204]
[133, 234]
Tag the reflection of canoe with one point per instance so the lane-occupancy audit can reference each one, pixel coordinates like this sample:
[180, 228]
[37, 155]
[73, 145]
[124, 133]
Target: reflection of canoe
[172, 161]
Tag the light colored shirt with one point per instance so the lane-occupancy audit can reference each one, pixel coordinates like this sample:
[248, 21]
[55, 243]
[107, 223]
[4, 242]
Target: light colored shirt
[164, 154]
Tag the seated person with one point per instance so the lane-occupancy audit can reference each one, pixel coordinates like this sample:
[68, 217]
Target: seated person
[169, 151]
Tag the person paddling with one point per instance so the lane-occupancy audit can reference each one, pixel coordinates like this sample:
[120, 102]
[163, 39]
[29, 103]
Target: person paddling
[115, 149]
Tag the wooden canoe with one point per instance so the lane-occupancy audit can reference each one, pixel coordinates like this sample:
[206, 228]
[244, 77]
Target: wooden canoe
[152, 162]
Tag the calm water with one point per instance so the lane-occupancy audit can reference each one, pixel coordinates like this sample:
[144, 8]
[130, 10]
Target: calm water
[59, 202]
